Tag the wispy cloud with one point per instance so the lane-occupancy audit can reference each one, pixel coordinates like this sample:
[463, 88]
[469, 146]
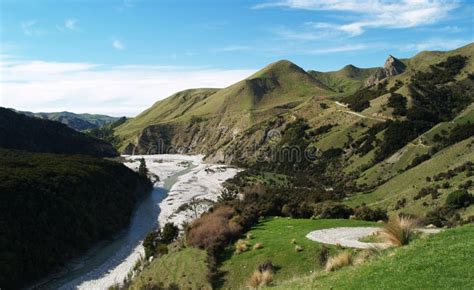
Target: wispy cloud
[436, 44]
[337, 49]
[97, 88]
[233, 48]
[30, 27]
[374, 13]
[117, 44]
[69, 24]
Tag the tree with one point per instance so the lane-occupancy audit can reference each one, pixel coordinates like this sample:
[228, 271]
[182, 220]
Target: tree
[142, 169]
[169, 233]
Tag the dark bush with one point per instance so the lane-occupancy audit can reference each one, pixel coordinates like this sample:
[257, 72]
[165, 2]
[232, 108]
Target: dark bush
[332, 210]
[323, 256]
[367, 214]
[459, 198]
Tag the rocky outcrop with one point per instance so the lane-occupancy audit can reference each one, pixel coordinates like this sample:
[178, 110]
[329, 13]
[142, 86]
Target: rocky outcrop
[392, 67]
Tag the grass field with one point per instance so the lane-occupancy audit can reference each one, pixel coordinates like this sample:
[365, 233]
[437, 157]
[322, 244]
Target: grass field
[276, 234]
[441, 261]
[186, 268]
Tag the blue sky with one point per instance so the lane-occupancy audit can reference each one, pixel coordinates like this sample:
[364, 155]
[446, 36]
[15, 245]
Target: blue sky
[118, 57]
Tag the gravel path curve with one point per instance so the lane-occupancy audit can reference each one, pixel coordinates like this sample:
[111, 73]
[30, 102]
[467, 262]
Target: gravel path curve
[346, 237]
[349, 236]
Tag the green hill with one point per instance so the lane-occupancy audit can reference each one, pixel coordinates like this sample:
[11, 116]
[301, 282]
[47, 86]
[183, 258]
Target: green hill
[79, 122]
[182, 119]
[21, 132]
[346, 80]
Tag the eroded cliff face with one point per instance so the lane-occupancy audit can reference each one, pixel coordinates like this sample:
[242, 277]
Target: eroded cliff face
[392, 67]
[220, 140]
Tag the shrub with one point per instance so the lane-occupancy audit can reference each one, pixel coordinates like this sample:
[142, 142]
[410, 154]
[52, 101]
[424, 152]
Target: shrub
[298, 248]
[339, 261]
[323, 256]
[458, 199]
[332, 210]
[169, 233]
[367, 214]
[240, 246]
[258, 246]
[399, 231]
[212, 227]
[259, 279]
[266, 266]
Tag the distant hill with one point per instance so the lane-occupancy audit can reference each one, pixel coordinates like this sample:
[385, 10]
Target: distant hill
[18, 131]
[346, 80]
[79, 122]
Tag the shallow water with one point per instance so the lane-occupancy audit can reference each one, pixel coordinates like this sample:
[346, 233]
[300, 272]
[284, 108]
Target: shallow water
[109, 254]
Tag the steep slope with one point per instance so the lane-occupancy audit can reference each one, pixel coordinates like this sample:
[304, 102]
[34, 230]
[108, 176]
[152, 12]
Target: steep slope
[18, 131]
[53, 207]
[79, 122]
[183, 120]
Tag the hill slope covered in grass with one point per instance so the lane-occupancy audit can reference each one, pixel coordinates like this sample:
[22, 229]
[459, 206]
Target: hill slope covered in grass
[435, 262]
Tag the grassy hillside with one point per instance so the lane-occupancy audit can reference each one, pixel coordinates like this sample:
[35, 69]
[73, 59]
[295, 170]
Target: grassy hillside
[436, 262]
[186, 268]
[184, 116]
[53, 207]
[346, 80]
[18, 131]
[276, 234]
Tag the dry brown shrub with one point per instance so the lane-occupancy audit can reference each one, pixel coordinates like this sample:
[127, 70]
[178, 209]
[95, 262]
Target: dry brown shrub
[259, 279]
[258, 246]
[339, 261]
[399, 231]
[210, 227]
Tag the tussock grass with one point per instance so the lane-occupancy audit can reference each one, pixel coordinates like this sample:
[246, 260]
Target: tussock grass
[298, 249]
[241, 246]
[258, 246]
[341, 260]
[259, 279]
[399, 231]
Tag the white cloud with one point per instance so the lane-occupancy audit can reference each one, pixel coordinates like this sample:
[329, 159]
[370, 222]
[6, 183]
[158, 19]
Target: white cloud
[436, 44]
[117, 44]
[335, 49]
[233, 48]
[70, 24]
[30, 28]
[95, 88]
[374, 13]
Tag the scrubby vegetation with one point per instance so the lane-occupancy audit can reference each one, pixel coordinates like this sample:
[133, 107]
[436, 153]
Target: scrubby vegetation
[360, 100]
[18, 131]
[53, 207]
[399, 230]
